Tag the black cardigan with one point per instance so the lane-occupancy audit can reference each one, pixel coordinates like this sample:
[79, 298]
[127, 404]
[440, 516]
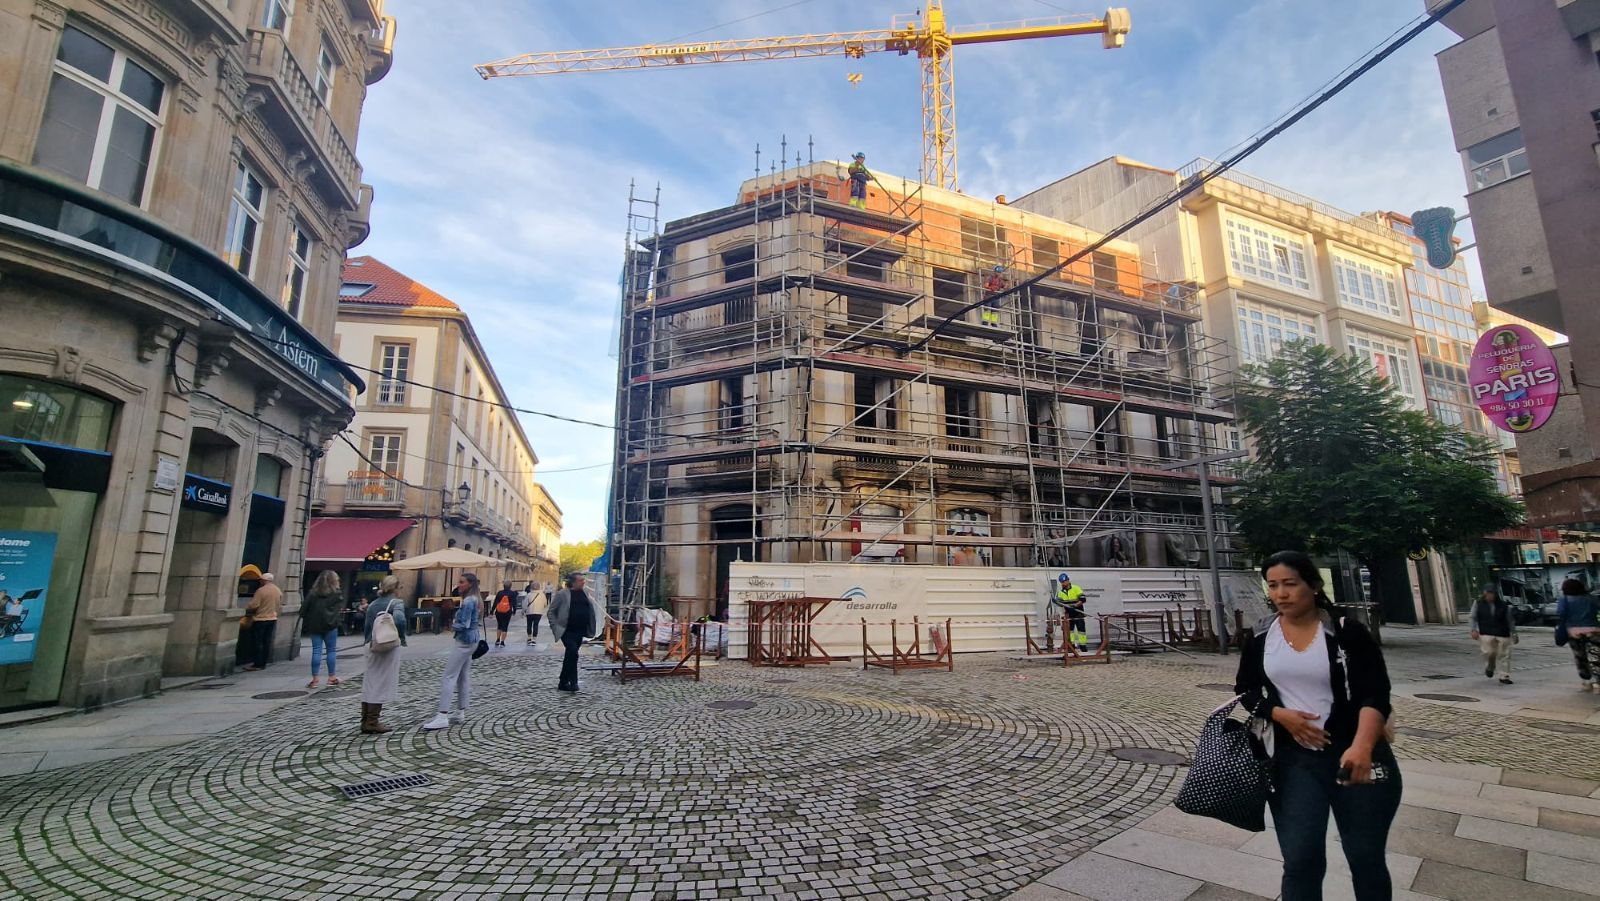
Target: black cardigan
[1355, 666]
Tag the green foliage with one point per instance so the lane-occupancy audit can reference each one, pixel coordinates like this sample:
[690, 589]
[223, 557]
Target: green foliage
[576, 558]
[1342, 463]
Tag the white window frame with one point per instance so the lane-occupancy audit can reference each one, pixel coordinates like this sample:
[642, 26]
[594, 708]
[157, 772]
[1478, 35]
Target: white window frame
[327, 74]
[240, 215]
[1269, 255]
[1486, 173]
[274, 10]
[1367, 287]
[1391, 357]
[299, 271]
[394, 366]
[386, 450]
[1264, 328]
[973, 522]
[112, 100]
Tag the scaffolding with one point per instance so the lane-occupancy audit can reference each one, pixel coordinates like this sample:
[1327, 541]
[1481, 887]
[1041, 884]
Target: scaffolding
[790, 390]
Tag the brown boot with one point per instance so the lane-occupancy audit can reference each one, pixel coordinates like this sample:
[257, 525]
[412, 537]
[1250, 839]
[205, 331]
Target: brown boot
[369, 722]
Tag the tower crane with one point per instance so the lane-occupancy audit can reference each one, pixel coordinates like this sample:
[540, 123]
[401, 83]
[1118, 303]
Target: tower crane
[926, 35]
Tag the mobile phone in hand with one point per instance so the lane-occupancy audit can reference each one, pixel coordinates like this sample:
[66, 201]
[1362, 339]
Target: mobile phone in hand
[1380, 773]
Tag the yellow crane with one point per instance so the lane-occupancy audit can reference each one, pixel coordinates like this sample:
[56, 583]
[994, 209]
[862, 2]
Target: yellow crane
[927, 36]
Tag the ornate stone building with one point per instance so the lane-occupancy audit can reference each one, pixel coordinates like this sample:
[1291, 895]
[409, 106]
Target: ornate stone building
[178, 187]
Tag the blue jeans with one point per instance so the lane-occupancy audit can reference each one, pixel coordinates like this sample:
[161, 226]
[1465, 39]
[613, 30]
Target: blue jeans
[1305, 788]
[330, 639]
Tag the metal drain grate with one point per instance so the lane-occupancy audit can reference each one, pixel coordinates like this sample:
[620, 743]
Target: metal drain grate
[1153, 756]
[1460, 699]
[731, 705]
[384, 786]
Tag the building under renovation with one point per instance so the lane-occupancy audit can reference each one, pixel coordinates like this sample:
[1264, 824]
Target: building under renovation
[802, 380]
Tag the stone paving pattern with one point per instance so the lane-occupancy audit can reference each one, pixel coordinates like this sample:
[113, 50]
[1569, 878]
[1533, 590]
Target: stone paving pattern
[837, 783]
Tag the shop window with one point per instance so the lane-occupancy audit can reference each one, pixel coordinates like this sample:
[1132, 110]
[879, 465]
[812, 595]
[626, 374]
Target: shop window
[102, 118]
[33, 410]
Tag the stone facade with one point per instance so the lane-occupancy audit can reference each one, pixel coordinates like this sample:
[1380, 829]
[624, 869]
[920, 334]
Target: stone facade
[131, 272]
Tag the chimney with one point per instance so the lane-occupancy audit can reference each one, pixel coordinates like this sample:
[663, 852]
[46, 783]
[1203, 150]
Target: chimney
[1000, 199]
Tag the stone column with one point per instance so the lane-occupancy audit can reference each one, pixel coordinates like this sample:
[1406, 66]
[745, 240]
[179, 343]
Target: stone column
[28, 74]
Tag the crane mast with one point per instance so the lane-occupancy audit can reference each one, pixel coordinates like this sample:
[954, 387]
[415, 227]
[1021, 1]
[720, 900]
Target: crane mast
[928, 37]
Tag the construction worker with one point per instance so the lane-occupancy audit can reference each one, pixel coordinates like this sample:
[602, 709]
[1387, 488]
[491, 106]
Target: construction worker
[989, 313]
[1069, 602]
[858, 177]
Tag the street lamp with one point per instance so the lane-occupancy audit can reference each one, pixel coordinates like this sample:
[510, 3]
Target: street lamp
[463, 493]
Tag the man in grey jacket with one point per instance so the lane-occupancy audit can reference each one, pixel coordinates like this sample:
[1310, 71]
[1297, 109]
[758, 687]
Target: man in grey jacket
[573, 616]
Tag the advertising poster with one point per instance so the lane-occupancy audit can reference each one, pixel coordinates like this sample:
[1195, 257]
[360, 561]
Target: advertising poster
[1514, 378]
[25, 560]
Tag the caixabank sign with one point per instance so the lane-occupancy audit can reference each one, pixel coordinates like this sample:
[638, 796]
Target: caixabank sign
[206, 495]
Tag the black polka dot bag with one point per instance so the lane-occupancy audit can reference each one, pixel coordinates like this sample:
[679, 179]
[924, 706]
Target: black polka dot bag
[1231, 775]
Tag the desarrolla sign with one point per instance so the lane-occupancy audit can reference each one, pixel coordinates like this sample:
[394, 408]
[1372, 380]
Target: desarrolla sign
[1514, 378]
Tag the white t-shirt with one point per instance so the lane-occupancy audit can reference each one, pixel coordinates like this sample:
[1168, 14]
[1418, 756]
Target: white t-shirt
[1303, 678]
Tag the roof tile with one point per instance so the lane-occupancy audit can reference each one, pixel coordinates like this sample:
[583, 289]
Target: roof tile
[389, 288]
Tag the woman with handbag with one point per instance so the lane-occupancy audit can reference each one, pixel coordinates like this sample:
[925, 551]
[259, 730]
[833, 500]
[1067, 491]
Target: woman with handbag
[1320, 680]
[1578, 620]
[469, 645]
[385, 635]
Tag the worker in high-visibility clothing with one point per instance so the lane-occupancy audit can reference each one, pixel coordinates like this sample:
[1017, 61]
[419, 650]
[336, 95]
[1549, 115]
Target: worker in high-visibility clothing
[989, 313]
[1069, 600]
[858, 177]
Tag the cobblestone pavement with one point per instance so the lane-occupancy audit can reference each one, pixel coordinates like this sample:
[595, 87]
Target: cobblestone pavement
[830, 782]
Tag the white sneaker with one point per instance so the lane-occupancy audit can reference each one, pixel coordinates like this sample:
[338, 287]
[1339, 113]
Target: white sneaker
[457, 718]
[439, 721]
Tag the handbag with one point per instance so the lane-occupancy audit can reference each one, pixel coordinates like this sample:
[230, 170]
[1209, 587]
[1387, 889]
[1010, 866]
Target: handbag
[247, 621]
[1561, 635]
[483, 648]
[385, 634]
[1230, 777]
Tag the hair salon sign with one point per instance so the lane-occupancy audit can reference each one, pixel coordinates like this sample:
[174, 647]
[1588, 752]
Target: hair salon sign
[1514, 379]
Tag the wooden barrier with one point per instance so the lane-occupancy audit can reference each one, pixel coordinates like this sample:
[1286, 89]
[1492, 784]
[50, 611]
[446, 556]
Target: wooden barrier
[779, 633]
[911, 657]
[1070, 656]
[687, 663]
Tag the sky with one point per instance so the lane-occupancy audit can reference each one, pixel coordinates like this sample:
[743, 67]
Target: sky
[510, 196]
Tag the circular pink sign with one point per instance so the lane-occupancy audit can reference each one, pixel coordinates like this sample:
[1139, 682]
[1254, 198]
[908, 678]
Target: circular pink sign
[1514, 378]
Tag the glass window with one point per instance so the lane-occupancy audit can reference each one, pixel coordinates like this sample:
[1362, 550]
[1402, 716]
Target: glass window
[1366, 287]
[53, 414]
[244, 220]
[396, 368]
[1264, 329]
[269, 476]
[101, 118]
[385, 452]
[327, 68]
[294, 282]
[1497, 159]
[1268, 255]
[968, 524]
[276, 14]
[1391, 359]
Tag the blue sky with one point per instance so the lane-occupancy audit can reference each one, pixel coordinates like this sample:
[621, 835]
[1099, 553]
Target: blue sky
[509, 196]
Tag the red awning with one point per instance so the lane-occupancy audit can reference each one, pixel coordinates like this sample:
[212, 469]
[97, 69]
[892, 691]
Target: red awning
[350, 540]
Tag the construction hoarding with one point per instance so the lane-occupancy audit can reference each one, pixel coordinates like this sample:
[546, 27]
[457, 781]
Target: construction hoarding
[987, 605]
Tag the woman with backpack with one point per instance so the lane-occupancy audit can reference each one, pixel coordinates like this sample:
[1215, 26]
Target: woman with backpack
[505, 601]
[381, 684]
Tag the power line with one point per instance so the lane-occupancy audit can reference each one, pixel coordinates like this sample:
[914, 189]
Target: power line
[1199, 179]
[503, 472]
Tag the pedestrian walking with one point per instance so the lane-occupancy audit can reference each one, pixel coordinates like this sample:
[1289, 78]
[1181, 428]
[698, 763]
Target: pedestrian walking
[263, 612]
[467, 628]
[505, 601]
[573, 618]
[1578, 616]
[380, 684]
[1319, 679]
[533, 609]
[324, 604]
[1495, 630]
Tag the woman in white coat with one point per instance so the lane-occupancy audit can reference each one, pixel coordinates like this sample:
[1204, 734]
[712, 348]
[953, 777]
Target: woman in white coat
[381, 683]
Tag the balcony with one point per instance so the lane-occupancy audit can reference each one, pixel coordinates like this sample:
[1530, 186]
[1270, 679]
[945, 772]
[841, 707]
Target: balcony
[293, 107]
[380, 50]
[361, 219]
[373, 489]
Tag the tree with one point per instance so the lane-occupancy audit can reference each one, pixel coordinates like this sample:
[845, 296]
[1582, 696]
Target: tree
[1342, 464]
[576, 558]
